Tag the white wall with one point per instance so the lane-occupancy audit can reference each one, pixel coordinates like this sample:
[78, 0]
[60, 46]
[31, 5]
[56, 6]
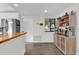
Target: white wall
[69, 9]
[9, 15]
[77, 33]
[35, 32]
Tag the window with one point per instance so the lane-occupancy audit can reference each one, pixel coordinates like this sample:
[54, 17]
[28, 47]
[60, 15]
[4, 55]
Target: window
[50, 24]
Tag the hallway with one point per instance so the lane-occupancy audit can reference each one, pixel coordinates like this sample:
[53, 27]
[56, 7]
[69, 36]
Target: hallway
[41, 49]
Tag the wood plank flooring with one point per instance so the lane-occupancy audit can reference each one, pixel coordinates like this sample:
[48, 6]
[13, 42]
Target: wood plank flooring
[41, 49]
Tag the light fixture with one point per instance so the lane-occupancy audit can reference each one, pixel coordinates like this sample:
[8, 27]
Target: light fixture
[10, 22]
[16, 5]
[45, 11]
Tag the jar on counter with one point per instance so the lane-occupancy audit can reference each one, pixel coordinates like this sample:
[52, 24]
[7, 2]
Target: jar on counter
[70, 32]
[66, 32]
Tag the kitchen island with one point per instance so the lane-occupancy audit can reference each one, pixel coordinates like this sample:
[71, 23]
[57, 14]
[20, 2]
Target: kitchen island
[12, 44]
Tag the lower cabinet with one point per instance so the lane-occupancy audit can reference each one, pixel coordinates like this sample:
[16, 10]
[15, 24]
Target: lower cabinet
[14, 46]
[67, 45]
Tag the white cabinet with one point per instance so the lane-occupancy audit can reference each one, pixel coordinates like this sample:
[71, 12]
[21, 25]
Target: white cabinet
[14, 46]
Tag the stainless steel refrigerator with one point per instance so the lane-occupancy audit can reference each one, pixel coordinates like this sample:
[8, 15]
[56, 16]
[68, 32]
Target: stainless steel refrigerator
[16, 25]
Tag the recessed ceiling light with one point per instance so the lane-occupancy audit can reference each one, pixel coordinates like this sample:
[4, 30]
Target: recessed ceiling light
[16, 5]
[45, 11]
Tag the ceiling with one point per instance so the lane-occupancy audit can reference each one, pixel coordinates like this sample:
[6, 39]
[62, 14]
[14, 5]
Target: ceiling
[37, 9]
[5, 7]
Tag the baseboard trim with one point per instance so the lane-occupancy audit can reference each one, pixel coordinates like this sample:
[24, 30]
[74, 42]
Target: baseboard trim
[39, 42]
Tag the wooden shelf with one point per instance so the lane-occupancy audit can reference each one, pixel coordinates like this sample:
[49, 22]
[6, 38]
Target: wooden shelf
[64, 20]
[64, 17]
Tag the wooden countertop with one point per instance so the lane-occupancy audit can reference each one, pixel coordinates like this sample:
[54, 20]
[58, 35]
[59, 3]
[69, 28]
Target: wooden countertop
[6, 37]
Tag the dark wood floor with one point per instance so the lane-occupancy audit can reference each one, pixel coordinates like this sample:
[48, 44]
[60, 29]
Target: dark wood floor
[41, 49]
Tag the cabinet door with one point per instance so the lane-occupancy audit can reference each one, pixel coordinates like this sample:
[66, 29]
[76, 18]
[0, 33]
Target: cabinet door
[71, 45]
[63, 44]
[58, 41]
[55, 39]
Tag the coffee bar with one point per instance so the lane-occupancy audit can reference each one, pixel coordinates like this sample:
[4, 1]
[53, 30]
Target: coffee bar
[65, 39]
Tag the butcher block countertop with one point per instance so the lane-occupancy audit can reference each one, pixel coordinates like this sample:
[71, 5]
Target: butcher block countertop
[7, 37]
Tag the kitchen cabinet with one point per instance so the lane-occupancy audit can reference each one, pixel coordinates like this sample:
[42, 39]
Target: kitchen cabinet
[67, 45]
[14, 46]
[65, 39]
